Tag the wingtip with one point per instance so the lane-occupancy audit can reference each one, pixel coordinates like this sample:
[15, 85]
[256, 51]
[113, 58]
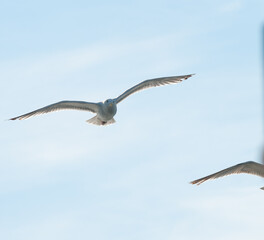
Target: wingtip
[188, 76]
[193, 183]
[15, 118]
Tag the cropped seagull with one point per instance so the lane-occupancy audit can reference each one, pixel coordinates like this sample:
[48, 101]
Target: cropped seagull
[104, 110]
[246, 167]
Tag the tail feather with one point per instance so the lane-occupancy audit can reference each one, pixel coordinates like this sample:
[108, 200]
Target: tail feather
[96, 121]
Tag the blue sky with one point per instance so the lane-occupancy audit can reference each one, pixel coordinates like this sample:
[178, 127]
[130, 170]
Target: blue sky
[61, 178]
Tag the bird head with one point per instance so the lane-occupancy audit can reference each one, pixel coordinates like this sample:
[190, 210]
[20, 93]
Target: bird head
[109, 102]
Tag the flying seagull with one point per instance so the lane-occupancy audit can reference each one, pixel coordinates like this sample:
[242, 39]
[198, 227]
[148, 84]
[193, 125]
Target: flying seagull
[246, 167]
[106, 110]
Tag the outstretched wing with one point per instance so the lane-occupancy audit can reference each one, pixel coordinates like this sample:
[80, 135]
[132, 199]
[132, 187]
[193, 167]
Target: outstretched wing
[152, 83]
[246, 167]
[63, 105]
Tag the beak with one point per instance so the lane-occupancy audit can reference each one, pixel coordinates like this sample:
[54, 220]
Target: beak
[111, 104]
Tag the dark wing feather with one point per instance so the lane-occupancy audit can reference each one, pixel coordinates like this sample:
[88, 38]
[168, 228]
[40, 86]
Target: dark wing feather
[152, 83]
[63, 105]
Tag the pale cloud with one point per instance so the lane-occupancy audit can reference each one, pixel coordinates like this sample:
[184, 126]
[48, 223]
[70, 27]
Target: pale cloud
[232, 6]
[80, 58]
[230, 214]
[52, 227]
[55, 65]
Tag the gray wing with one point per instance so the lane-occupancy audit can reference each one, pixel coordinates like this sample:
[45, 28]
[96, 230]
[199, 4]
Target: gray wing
[246, 167]
[152, 83]
[63, 105]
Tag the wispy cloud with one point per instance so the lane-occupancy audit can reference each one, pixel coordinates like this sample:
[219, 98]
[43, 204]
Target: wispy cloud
[46, 228]
[231, 214]
[53, 65]
[232, 6]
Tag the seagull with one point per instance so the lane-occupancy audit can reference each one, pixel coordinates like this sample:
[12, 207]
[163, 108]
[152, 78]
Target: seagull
[106, 110]
[249, 167]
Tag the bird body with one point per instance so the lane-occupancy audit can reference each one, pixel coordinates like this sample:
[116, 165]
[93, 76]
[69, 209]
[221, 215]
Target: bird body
[249, 167]
[105, 114]
[105, 111]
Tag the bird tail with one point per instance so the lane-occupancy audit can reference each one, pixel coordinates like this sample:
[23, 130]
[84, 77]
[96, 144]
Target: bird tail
[96, 121]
